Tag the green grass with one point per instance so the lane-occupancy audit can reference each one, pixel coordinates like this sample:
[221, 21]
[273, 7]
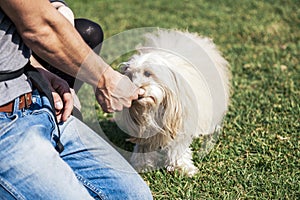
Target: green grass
[257, 155]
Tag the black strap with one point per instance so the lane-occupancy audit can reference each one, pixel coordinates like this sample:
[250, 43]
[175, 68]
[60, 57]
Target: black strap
[39, 83]
[42, 86]
[11, 75]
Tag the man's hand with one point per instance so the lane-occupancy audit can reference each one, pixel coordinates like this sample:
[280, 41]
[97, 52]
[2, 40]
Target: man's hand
[115, 91]
[63, 100]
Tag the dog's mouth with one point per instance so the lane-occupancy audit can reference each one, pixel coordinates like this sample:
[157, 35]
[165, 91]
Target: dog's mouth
[151, 96]
[146, 99]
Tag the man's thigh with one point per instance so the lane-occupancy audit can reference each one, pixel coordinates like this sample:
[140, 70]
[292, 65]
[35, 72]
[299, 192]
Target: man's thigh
[98, 165]
[30, 167]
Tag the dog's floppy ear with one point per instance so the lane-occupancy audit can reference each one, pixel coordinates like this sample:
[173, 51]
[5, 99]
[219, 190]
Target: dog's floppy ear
[172, 118]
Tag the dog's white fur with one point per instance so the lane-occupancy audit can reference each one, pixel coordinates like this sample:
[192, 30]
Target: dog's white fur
[177, 105]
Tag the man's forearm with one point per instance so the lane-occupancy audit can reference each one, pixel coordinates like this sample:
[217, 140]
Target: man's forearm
[54, 39]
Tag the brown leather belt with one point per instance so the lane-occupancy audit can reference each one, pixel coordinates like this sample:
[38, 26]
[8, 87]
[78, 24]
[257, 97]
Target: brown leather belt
[24, 102]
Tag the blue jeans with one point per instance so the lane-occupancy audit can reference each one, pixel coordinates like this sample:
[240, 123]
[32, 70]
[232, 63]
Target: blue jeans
[88, 168]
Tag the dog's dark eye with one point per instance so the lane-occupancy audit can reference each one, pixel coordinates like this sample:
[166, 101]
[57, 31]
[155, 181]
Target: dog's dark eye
[124, 67]
[147, 73]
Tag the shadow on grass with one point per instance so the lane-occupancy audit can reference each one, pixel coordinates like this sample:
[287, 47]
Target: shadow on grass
[115, 135]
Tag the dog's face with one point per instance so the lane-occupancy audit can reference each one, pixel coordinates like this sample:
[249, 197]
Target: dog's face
[145, 78]
[152, 76]
[159, 109]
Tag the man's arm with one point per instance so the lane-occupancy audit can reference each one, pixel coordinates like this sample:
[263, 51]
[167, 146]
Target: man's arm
[54, 39]
[50, 35]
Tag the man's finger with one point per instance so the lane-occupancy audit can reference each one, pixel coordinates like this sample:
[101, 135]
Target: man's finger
[58, 104]
[141, 91]
[68, 106]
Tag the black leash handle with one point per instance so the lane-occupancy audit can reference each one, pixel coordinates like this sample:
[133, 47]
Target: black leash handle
[44, 89]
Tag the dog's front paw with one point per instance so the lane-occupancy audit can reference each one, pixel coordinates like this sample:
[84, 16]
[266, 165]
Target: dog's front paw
[170, 168]
[191, 171]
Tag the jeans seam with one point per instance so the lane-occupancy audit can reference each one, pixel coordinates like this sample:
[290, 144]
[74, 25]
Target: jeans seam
[85, 181]
[11, 190]
[91, 187]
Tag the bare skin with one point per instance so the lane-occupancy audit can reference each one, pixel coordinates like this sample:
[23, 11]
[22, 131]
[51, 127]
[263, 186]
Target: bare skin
[53, 38]
[62, 97]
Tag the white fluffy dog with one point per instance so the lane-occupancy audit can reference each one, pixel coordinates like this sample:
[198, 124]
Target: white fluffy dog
[186, 95]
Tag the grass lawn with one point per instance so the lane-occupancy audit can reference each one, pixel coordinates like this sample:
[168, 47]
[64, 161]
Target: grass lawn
[257, 155]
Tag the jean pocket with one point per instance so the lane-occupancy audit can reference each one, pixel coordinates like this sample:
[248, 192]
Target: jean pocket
[6, 121]
[46, 117]
[44, 111]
